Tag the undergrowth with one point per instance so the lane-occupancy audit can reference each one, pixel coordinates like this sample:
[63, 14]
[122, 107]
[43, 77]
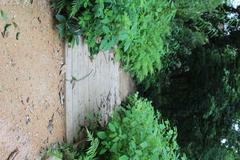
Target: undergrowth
[134, 132]
[134, 29]
[69, 152]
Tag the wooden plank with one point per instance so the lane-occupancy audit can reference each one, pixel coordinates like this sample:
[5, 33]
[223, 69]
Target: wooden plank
[75, 75]
[96, 87]
[68, 95]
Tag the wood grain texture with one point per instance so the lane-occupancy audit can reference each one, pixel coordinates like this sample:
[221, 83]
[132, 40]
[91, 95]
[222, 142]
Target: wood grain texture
[92, 86]
[68, 93]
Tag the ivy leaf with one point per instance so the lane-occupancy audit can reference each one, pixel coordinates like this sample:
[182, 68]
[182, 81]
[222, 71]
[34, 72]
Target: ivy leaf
[111, 127]
[123, 36]
[106, 30]
[102, 151]
[106, 44]
[124, 157]
[102, 135]
[144, 145]
[114, 148]
[105, 20]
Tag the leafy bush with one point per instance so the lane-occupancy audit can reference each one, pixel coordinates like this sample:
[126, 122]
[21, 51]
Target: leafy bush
[134, 132]
[135, 29]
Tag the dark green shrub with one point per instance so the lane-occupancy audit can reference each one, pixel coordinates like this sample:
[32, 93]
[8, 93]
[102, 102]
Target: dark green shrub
[197, 88]
[202, 98]
[194, 8]
[135, 29]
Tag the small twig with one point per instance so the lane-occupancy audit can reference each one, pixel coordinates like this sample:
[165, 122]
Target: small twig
[62, 68]
[17, 35]
[5, 30]
[13, 154]
[74, 79]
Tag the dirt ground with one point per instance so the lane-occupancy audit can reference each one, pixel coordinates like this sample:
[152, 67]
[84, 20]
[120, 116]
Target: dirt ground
[31, 113]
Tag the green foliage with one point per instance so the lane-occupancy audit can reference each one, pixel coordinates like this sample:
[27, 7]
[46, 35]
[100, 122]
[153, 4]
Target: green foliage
[194, 8]
[201, 91]
[192, 75]
[218, 153]
[143, 57]
[198, 85]
[135, 29]
[136, 132]
[3, 15]
[205, 100]
[69, 152]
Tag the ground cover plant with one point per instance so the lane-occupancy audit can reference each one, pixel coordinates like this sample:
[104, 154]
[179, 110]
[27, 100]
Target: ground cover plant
[134, 131]
[134, 29]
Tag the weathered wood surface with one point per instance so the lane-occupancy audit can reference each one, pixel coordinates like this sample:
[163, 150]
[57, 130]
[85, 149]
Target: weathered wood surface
[95, 85]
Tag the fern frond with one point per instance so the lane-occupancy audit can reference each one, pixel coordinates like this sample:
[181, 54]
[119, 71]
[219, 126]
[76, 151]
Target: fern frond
[76, 4]
[58, 5]
[92, 150]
